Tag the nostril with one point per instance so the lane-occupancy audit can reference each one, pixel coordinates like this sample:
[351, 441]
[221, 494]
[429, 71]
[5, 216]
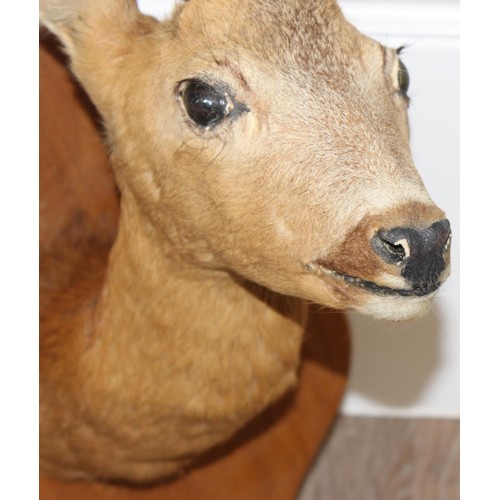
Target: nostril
[441, 233]
[403, 243]
[419, 252]
[398, 250]
[394, 245]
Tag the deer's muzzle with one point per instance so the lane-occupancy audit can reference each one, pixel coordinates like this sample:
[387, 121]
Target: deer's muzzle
[405, 252]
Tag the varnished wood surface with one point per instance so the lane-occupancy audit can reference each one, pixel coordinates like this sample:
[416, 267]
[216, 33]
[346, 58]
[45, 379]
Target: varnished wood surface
[76, 182]
[387, 459]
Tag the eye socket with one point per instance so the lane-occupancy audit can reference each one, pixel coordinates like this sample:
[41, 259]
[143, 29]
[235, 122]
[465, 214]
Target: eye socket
[403, 78]
[204, 105]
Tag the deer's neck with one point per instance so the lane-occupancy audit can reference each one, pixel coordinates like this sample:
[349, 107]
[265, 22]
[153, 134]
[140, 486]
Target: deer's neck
[196, 335]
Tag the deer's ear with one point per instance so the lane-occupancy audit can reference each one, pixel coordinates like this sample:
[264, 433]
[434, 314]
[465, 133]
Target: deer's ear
[97, 35]
[83, 23]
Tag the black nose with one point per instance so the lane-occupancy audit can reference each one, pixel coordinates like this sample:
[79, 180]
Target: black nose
[419, 252]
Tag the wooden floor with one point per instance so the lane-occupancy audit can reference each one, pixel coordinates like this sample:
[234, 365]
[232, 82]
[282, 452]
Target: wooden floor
[387, 459]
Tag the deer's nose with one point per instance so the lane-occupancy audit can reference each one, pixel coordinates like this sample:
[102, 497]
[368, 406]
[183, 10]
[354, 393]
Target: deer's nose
[419, 252]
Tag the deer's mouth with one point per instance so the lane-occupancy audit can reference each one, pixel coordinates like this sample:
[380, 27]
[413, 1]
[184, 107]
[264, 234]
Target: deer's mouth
[369, 286]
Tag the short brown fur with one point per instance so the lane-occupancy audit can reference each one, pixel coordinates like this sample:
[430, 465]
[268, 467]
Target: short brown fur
[193, 323]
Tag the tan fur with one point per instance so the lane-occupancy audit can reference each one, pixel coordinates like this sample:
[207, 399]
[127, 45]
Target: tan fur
[196, 324]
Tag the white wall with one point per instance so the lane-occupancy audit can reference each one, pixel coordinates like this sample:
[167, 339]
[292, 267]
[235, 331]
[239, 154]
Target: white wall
[412, 369]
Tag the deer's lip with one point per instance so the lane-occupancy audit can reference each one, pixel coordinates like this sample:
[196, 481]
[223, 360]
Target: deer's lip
[369, 286]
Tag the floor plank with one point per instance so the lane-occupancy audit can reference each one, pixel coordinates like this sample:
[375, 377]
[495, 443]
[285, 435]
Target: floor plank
[387, 459]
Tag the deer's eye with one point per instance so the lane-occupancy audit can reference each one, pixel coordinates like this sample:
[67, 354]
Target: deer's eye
[403, 78]
[204, 105]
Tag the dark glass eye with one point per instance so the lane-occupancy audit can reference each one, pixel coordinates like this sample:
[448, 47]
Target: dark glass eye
[403, 78]
[204, 104]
